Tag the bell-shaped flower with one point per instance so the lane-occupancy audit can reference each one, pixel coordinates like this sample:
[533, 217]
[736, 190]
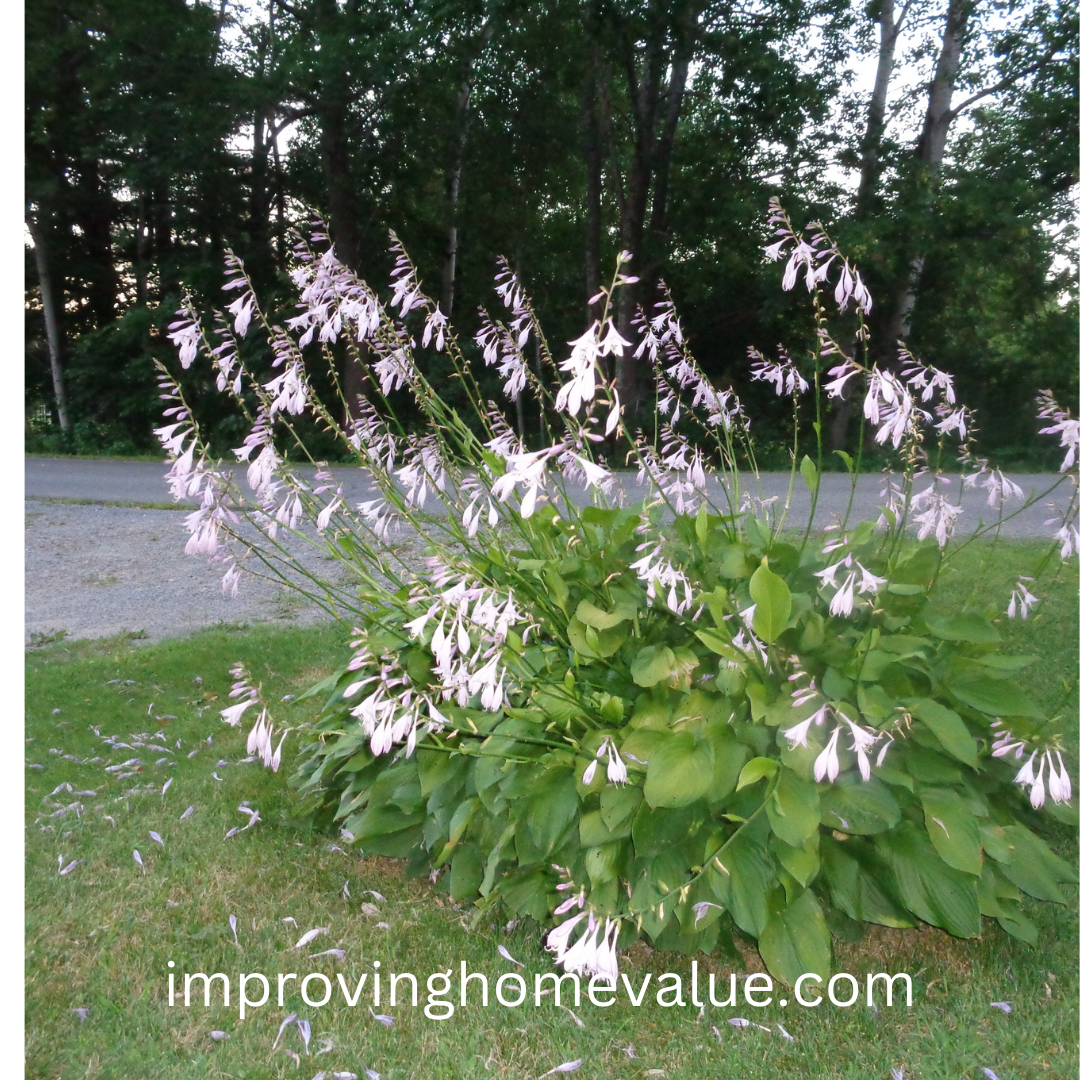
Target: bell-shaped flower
[1060, 784]
[827, 763]
[1038, 789]
[843, 603]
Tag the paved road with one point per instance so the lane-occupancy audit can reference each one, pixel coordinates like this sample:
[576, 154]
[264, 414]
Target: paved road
[142, 482]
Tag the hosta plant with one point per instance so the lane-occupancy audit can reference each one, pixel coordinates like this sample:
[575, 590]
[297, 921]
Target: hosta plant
[638, 703]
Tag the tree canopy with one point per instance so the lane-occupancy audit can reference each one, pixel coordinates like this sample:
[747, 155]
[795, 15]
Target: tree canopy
[554, 134]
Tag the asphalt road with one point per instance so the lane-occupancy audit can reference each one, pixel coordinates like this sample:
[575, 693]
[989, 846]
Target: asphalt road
[142, 483]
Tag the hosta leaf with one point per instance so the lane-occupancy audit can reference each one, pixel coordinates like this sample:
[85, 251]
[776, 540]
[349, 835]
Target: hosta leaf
[971, 628]
[796, 941]
[802, 863]
[591, 615]
[652, 664]
[773, 603]
[1033, 867]
[953, 829]
[929, 888]
[755, 770]
[680, 771]
[808, 471]
[995, 697]
[618, 804]
[854, 805]
[860, 885]
[950, 730]
[746, 879]
[793, 808]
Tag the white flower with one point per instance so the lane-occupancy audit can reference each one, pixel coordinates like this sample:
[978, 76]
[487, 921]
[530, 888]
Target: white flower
[841, 373]
[1022, 596]
[436, 322]
[185, 336]
[938, 517]
[242, 309]
[869, 582]
[1060, 784]
[1038, 789]
[1000, 488]
[862, 740]
[843, 603]
[828, 762]
[1026, 776]
[233, 713]
[797, 735]
[582, 368]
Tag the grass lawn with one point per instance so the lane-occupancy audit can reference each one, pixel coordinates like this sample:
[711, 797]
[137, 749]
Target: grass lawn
[100, 937]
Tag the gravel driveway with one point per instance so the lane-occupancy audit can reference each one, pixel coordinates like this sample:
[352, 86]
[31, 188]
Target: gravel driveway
[95, 571]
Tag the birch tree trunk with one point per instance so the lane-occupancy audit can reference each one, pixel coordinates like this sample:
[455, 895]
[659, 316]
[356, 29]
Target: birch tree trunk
[52, 326]
[929, 154]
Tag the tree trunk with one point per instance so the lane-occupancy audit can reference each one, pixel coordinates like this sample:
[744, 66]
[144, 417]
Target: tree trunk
[870, 163]
[649, 175]
[929, 153]
[474, 49]
[594, 185]
[94, 212]
[52, 326]
[141, 265]
[259, 201]
[453, 189]
[867, 200]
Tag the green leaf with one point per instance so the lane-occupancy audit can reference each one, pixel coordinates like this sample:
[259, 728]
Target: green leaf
[846, 459]
[953, 829]
[898, 589]
[802, 863]
[618, 804]
[793, 808]
[589, 614]
[971, 628]
[757, 532]
[733, 561]
[559, 590]
[545, 814]
[808, 471]
[929, 888]
[773, 599]
[950, 730]
[746, 878]
[701, 524]
[854, 805]
[652, 664]
[680, 771]
[995, 697]
[860, 884]
[466, 873]
[796, 941]
[1033, 867]
[754, 770]
[714, 642]
[590, 643]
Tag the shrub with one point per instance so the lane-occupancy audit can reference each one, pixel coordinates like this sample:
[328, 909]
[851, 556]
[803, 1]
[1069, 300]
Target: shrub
[680, 719]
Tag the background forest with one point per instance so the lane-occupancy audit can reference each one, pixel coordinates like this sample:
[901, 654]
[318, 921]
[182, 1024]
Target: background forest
[935, 139]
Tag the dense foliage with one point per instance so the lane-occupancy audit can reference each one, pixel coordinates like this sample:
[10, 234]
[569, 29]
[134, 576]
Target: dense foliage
[679, 719]
[556, 135]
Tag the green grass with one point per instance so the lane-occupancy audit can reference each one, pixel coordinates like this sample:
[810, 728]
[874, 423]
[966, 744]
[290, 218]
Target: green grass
[101, 937]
